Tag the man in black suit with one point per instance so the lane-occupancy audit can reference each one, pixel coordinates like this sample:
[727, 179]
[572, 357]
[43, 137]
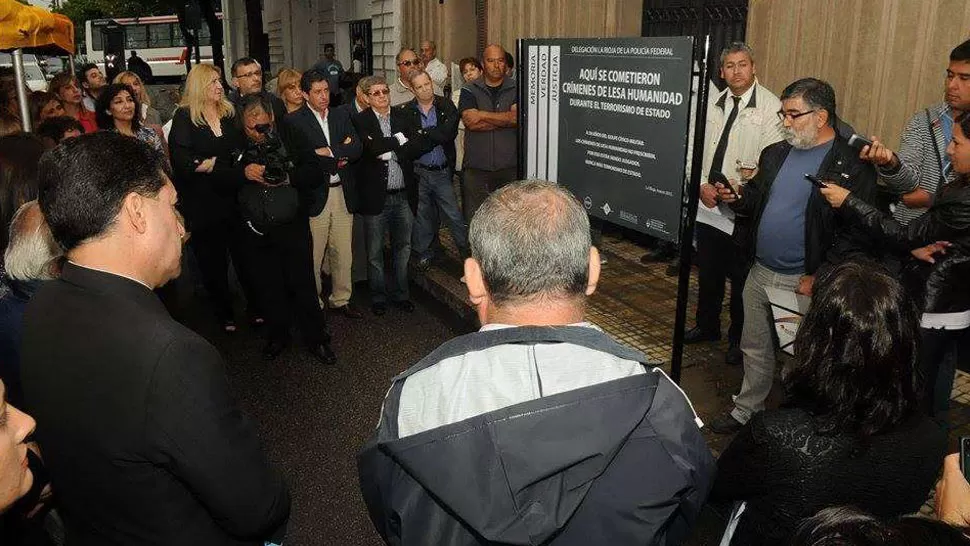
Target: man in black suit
[323, 143]
[387, 190]
[142, 439]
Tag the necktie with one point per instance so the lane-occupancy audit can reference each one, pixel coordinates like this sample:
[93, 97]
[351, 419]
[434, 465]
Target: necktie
[722, 143]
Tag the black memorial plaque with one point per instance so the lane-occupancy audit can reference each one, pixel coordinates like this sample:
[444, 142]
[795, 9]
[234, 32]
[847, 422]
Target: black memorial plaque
[608, 118]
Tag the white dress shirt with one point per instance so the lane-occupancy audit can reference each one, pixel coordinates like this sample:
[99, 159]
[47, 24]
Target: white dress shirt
[325, 125]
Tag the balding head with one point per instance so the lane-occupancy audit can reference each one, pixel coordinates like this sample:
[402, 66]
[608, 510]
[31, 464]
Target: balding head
[493, 59]
[31, 252]
[530, 244]
[428, 51]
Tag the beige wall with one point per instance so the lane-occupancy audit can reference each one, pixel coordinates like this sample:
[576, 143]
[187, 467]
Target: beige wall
[885, 58]
[509, 20]
[452, 24]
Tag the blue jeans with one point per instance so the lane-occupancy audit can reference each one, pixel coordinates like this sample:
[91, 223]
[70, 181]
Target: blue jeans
[435, 193]
[396, 218]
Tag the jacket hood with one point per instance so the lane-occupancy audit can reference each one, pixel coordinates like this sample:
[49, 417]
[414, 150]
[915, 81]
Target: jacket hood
[516, 475]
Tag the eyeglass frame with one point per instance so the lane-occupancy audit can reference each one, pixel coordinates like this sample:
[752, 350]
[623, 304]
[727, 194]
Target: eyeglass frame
[409, 63]
[250, 74]
[379, 92]
[783, 114]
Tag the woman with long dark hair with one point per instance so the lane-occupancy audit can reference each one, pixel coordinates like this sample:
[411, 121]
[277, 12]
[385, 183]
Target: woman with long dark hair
[118, 110]
[852, 431]
[938, 279]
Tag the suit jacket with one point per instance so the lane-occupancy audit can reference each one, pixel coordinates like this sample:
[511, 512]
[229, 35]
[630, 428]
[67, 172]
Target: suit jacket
[302, 133]
[142, 439]
[445, 132]
[372, 171]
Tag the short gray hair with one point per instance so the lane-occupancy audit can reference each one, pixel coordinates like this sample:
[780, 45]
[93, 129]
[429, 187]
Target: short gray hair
[736, 47]
[413, 75]
[32, 249]
[532, 240]
[370, 81]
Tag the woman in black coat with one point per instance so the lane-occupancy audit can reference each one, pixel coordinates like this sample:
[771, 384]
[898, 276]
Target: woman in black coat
[852, 432]
[204, 143]
[936, 274]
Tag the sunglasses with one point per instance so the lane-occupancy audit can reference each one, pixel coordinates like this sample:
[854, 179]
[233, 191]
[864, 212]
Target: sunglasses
[409, 62]
[379, 92]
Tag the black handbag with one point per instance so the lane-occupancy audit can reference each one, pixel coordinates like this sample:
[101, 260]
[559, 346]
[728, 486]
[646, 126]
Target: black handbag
[268, 206]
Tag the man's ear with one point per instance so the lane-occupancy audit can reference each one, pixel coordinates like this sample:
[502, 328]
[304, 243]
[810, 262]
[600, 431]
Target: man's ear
[475, 282]
[594, 270]
[134, 212]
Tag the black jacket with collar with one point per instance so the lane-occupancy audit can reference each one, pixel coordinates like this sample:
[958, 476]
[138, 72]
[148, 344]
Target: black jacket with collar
[311, 176]
[140, 433]
[372, 171]
[829, 236]
[446, 130]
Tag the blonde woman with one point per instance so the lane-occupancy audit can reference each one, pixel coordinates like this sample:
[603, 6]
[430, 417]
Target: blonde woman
[202, 141]
[149, 116]
[288, 89]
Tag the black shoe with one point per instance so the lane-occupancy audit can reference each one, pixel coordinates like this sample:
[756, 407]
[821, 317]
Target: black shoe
[724, 424]
[657, 256]
[347, 311]
[734, 356]
[273, 349]
[673, 269]
[405, 305]
[378, 308]
[696, 335]
[323, 353]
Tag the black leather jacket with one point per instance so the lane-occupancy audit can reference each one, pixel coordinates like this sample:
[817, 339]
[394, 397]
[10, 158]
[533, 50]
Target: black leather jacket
[829, 239]
[948, 219]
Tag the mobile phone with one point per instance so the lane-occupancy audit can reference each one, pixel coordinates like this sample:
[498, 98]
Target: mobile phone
[717, 177]
[965, 456]
[814, 180]
[859, 142]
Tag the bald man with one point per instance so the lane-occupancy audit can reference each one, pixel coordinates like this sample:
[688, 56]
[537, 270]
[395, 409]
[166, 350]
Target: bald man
[488, 107]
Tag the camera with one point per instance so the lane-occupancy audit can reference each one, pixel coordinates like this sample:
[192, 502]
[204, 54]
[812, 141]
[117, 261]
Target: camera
[270, 152]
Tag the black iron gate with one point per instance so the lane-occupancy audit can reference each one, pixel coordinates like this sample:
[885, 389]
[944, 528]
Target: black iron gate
[724, 20]
[362, 46]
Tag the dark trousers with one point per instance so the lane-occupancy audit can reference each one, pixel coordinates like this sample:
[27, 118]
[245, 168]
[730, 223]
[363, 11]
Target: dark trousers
[478, 184]
[395, 221]
[941, 351]
[719, 259]
[281, 259]
[436, 195]
[213, 245]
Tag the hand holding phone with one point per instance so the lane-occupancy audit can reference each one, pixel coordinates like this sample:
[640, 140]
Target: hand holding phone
[859, 142]
[719, 178]
[814, 180]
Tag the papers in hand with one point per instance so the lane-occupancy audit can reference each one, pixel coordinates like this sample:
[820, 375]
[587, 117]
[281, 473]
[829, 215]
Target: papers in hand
[787, 309]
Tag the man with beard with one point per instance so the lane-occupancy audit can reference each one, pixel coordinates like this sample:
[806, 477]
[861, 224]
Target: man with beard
[792, 235]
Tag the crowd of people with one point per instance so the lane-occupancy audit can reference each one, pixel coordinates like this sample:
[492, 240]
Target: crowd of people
[537, 429]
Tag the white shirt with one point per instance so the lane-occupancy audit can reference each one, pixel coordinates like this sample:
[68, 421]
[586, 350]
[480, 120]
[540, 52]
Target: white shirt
[439, 75]
[325, 125]
[729, 102]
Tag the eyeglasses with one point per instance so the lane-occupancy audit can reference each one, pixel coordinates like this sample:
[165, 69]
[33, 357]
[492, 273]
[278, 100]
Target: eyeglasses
[782, 114]
[252, 74]
[379, 92]
[410, 62]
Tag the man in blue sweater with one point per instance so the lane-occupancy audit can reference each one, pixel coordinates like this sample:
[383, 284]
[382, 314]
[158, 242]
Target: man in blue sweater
[791, 234]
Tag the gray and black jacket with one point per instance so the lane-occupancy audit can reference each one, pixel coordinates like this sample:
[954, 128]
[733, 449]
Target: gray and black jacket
[497, 149]
[617, 462]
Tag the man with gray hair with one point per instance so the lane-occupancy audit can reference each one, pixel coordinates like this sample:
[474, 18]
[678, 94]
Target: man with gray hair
[792, 232]
[29, 260]
[538, 428]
